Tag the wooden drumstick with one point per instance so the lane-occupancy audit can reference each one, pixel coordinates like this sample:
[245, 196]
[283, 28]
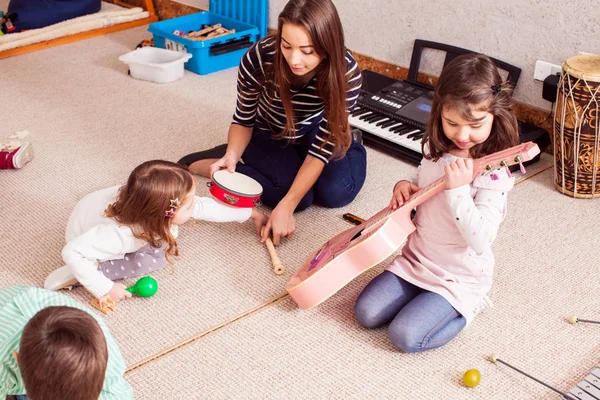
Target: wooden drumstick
[278, 267]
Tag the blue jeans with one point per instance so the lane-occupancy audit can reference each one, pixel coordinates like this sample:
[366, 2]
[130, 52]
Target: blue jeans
[420, 320]
[275, 163]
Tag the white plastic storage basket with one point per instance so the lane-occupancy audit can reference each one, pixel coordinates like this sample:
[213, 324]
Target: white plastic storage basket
[156, 65]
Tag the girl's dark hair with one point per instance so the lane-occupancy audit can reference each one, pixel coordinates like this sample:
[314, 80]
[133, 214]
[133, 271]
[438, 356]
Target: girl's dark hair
[321, 20]
[472, 81]
[143, 201]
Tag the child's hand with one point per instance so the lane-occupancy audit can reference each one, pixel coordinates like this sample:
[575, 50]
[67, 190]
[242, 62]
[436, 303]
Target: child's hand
[458, 173]
[401, 193]
[117, 293]
[260, 219]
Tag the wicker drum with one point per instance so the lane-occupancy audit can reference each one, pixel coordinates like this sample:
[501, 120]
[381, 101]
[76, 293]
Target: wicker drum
[576, 128]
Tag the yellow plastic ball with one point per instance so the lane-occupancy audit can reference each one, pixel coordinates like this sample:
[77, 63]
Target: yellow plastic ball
[472, 377]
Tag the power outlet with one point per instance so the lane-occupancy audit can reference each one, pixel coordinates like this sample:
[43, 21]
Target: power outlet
[543, 69]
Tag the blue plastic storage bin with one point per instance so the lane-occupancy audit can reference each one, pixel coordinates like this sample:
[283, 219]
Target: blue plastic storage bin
[248, 17]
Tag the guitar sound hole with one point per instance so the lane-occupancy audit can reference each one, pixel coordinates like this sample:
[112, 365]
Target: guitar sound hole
[357, 235]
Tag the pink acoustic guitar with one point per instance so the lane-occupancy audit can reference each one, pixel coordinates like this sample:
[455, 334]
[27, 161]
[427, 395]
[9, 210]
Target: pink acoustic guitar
[354, 251]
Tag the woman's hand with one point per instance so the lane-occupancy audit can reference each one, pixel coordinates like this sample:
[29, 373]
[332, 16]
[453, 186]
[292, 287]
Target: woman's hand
[402, 192]
[228, 162]
[281, 222]
[117, 293]
[259, 218]
[458, 173]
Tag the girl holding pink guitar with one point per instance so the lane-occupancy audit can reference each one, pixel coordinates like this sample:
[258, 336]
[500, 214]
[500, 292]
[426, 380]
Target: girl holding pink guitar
[438, 284]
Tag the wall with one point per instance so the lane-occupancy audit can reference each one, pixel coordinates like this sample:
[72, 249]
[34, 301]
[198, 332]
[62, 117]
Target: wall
[516, 31]
[201, 4]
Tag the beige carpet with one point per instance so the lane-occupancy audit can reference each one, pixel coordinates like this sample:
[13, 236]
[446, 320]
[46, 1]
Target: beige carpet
[545, 271]
[91, 125]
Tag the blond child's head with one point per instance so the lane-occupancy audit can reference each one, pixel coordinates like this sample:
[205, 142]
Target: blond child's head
[63, 355]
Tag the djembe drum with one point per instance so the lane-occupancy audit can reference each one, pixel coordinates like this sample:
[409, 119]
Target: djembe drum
[576, 128]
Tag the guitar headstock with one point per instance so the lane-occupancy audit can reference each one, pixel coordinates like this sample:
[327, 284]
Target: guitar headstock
[506, 158]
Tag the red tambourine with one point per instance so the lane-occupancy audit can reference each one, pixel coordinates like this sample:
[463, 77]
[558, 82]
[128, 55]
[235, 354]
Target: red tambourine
[235, 189]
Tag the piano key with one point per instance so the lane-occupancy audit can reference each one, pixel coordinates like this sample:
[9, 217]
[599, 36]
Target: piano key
[413, 134]
[400, 141]
[394, 125]
[412, 145]
[390, 123]
[358, 123]
[596, 372]
[580, 394]
[374, 121]
[386, 133]
[366, 115]
[406, 130]
[398, 128]
[589, 387]
[367, 127]
[359, 111]
[371, 119]
[383, 121]
[594, 380]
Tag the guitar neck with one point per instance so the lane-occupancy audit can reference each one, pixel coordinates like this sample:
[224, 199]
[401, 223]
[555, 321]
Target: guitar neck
[425, 194]
[428, 192]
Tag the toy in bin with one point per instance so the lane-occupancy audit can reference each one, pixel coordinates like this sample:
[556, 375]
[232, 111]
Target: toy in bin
[207, 32]
[239, 23]
[145, 43]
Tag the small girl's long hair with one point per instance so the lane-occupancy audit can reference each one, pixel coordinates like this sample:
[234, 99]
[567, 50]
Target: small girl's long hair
[322, 21]
[472, 81]
[141, 203]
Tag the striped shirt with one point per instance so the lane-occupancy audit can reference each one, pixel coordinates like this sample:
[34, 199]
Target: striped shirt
[256, 107]
[17, 306]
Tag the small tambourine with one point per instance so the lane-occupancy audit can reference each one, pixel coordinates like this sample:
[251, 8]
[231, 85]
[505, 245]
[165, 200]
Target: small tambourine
[235, 189]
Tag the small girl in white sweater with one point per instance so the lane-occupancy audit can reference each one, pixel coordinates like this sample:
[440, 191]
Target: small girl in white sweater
[128, 231]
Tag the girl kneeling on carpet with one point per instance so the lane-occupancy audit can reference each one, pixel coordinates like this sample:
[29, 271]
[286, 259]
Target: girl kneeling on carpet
[128, 231]
[439, 283]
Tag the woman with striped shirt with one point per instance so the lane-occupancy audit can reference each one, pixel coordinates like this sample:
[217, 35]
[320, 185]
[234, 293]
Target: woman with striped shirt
[290, 129]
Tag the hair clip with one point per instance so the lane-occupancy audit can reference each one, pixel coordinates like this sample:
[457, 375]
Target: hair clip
[497, 88]
[174, 205]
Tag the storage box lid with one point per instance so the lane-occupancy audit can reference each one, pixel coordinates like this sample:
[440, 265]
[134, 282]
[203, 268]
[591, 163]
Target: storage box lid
[253, 12]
